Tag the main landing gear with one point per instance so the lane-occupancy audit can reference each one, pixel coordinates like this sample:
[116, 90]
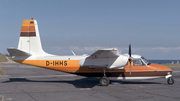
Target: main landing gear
[104, 81]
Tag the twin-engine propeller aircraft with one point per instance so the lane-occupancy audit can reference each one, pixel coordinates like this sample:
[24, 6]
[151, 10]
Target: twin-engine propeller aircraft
[107, 64]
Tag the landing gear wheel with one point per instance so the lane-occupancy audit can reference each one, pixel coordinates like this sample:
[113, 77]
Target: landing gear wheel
[104, 81]
[170, 81]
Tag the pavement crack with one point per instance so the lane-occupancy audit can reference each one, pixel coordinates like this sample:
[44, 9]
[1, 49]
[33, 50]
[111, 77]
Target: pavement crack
[156, 94]
[30, 95]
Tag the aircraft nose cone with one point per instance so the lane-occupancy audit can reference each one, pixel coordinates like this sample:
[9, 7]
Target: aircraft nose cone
[162, 69]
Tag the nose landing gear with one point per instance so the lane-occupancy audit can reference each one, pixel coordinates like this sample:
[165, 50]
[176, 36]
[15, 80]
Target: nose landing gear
[170, 81]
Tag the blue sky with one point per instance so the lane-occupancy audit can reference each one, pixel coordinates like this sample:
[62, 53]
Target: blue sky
[84, 26]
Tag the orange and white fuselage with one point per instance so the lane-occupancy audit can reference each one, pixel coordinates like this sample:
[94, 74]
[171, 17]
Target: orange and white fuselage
[115, 65]
[70, 64]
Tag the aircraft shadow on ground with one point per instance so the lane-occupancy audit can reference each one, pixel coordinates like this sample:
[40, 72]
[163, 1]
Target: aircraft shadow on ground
[79, 83]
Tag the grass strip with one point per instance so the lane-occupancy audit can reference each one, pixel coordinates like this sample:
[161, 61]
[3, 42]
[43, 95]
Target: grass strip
[2, 58]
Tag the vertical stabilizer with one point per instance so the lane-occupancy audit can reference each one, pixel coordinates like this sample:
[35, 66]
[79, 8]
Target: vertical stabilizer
[29, 40]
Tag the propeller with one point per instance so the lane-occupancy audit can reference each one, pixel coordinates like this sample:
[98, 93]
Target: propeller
[130, 59]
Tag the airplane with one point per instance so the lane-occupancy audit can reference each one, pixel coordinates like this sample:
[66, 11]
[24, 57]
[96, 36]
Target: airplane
[106, 64]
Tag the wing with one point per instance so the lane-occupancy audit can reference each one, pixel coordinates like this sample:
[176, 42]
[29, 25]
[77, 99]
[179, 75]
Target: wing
[17, 52]
[105, 53]
[106, 58]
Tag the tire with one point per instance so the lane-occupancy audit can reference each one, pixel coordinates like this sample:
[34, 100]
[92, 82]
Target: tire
[104, 81]
[170, 81]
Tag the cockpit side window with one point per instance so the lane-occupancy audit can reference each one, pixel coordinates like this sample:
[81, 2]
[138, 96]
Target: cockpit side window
[138, 62]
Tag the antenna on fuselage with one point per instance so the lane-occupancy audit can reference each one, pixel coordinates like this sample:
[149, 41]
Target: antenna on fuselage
[73, 53]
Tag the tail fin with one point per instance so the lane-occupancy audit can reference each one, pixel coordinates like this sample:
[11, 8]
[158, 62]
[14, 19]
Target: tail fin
[29, 40]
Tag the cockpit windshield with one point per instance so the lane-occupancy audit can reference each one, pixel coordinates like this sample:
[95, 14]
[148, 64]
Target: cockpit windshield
[145, 60]
[140, 61]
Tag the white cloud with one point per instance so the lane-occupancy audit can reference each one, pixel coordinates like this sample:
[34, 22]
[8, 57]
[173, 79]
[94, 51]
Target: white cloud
[149, 52]
[74, 48]
[57, 48]
[91, 49]
[95, 48]
[86, 49]
[163, 49]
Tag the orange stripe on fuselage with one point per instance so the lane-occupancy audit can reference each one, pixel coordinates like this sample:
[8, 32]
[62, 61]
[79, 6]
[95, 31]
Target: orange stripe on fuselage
[73, 66]
[60, 65]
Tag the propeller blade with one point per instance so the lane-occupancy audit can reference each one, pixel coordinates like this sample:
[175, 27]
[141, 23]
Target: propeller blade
[130, 58]
[129, 50]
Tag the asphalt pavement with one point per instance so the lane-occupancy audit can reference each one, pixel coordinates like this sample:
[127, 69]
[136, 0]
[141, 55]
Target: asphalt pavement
[29, 83]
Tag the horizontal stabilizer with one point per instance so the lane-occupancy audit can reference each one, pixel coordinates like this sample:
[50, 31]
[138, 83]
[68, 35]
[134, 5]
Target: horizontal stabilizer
[17, 52]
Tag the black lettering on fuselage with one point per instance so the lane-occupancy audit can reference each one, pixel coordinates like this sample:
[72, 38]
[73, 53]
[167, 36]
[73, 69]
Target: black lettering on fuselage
[65, 63]
[47, 63]
[56, 63]
[61, 63]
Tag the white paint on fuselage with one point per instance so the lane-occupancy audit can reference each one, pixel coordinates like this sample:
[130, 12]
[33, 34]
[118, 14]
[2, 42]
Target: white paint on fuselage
[134, 78]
